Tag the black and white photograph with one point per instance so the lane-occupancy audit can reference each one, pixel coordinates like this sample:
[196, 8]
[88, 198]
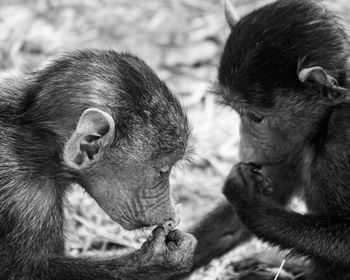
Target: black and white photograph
[174, 140]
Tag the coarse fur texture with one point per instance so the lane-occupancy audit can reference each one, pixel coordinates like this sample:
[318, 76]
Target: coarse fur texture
[104, 120]
[285, 70]
[282, 37]
[292, 127]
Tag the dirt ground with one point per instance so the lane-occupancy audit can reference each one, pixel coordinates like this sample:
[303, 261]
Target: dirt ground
[182, 40]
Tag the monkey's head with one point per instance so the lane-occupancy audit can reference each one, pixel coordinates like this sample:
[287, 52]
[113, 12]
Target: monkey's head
[122, 132]
[283, 69]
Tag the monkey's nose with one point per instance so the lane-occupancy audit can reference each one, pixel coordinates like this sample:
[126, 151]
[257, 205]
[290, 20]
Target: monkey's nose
[247, 155]
[171, 224]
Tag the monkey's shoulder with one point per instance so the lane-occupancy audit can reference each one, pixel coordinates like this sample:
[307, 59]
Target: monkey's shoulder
[332, 158]
[330, 171]
[338, 128]
[333, 151]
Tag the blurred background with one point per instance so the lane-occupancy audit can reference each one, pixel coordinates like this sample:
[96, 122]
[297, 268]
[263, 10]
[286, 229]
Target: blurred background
[182, 41]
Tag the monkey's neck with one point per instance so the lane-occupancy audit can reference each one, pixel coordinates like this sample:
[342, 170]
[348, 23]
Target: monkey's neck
[31, 209]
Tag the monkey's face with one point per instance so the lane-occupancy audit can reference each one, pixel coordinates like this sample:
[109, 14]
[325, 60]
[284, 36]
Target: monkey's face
[134, 194]
[128, 177]
[270, 70]
[275, 135]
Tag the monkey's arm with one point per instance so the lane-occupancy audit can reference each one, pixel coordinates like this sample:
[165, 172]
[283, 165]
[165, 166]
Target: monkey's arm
[163, 255]
[321, 236]
[327, 238]
[83, 268]
[220, 231]
[125, 267]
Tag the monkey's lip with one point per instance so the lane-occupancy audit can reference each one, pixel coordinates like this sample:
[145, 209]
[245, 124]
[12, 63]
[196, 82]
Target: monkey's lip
[135, 225]
[142, 225]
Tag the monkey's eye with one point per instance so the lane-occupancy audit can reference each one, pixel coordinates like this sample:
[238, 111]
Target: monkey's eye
[255, 118]
[164, 171]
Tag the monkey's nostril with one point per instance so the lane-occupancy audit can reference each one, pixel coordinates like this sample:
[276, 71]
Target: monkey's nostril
[171, 223]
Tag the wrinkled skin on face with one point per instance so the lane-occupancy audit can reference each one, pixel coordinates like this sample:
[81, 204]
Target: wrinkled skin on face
[128, 177]
[135, 195]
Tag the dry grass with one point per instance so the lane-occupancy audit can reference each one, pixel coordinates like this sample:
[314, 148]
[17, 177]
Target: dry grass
[182, 41]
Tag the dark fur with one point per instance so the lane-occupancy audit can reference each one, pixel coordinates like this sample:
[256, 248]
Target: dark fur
[264, 53]
[280, 37]
[258, 74]
[38, 112]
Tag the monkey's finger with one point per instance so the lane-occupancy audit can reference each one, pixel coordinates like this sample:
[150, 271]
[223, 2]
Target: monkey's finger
[258, 177]
[189, 243]
[159, 234]
[183, 240]
[175, 236]
[171, 245]
[267, 189]
[158, 241]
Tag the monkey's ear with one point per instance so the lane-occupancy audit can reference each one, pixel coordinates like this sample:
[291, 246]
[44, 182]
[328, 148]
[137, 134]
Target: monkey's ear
[317, 75]
[230, 14]
[94, 133]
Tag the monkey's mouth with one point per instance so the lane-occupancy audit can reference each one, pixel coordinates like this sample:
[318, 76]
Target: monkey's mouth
[141, 225]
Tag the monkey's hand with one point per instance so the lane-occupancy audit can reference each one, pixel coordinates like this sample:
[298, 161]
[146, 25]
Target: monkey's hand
[172, 253]
[245, 188]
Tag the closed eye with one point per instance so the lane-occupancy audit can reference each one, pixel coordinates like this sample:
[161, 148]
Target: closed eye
[164, 171]
[254, 117]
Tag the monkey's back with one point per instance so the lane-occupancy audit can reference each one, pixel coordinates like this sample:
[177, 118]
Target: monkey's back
[15, 135]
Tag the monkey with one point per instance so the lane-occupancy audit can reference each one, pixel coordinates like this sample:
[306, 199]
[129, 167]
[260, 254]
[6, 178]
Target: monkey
[102, 120]
[285, 70]
[293, 129]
